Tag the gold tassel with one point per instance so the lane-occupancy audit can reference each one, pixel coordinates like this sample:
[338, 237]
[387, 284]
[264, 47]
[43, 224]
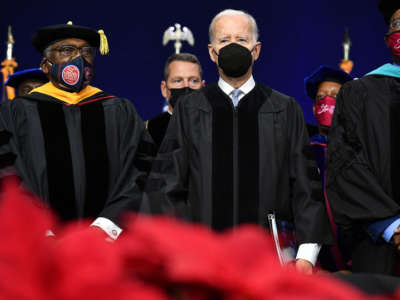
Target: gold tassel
[69, 23]
[104, 49]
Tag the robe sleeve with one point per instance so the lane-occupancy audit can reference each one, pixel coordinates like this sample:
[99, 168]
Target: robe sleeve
[7, 155]
[136, 155]
[167, 186]
[355, 194]
[308, 208]
[12, 116]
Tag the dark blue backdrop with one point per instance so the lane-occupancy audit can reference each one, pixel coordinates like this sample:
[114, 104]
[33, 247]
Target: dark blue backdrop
[296, 36]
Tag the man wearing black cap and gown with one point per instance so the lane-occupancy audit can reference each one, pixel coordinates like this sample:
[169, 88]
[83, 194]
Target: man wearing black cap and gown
[26, 80]
[80, 149]
[363, 163]
[233, 151]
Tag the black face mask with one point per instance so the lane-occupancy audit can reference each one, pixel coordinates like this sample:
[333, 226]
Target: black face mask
[235, 60]
[177, 93]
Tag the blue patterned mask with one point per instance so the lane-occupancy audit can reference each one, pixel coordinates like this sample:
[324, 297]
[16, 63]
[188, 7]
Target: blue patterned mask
[75, 74]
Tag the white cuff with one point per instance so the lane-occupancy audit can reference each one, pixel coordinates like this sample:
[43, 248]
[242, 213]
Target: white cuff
[108, 226]
[309, 252]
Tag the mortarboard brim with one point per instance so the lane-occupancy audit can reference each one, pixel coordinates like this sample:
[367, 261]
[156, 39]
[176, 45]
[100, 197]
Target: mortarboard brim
[46, 36]
[17, 78]
[324, 73]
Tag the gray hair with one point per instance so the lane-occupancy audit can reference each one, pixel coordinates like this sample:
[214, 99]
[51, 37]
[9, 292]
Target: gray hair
[187, 57]
[233, 12]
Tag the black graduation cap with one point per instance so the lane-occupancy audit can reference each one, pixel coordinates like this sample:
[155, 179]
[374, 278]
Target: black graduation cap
[17, 78]
[324, 73]
[48, 35]
[388, 8]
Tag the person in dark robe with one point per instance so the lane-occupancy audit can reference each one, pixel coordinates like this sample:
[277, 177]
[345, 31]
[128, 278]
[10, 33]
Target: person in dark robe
[363, 162]
[83, 151]
[182, 75]
[233, 151]
[322, 87]
[26, 80]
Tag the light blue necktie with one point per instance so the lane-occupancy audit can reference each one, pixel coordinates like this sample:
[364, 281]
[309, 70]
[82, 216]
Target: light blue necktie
[235, 97]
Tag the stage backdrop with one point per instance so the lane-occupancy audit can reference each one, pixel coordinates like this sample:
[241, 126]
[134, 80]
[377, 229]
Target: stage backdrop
[296, 36]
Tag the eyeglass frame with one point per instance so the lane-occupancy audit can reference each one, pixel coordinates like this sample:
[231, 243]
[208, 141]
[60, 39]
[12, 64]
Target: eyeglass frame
[90, 54]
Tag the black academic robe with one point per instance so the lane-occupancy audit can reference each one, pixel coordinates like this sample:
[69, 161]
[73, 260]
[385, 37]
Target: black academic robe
[363, 166]
[222, 166]
[86, 160]
[363, 161]
[157, 127]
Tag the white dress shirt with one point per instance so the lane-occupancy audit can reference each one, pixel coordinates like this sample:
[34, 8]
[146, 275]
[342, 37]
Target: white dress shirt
[307, 251]
[245, 88]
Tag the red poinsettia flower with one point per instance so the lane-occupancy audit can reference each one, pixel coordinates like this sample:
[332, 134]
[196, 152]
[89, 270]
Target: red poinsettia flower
[156, 258]
[78, 264]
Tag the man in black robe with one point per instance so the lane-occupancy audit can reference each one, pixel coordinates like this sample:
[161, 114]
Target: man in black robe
[233, 151]
[363, 163]
[182, 75]
[80, 149]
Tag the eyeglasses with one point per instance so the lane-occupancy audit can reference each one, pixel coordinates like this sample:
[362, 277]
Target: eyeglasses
[395, 24]
[71, 50]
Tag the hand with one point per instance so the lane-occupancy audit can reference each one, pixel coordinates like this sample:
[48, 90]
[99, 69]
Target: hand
[396, 238]
[304, 266]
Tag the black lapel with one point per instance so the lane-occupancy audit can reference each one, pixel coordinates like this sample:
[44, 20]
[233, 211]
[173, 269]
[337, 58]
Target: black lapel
[96, 157]
[58, 159]
[249, 162]
[222, 157]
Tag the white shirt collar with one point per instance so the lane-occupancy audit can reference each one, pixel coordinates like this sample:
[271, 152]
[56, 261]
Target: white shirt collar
[245, 88]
